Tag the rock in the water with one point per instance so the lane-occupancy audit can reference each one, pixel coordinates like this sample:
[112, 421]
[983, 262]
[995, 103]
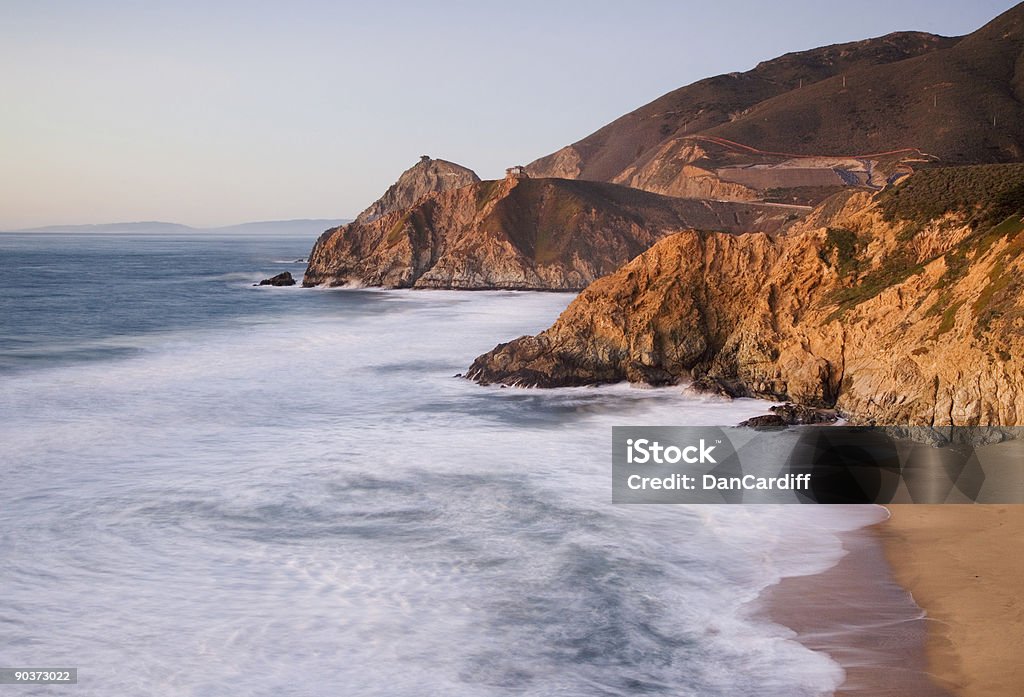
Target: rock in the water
[766, 422]
[281, 279]
[799, 414]
[790, 414]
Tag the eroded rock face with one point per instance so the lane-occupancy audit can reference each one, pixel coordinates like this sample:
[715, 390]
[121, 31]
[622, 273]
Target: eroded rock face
[519, 233]
[426, 176]
[901, 316]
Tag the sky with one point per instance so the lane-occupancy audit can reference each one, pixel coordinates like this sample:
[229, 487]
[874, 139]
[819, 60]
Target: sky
[213, 113]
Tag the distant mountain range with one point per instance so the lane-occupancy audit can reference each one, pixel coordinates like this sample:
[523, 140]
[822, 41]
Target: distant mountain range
[309, 227]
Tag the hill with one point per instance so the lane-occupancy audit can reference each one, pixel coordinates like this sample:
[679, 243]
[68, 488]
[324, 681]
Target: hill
[522, 233]
[908, 94]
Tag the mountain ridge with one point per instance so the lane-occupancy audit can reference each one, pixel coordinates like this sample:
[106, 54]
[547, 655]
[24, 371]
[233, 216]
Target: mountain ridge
[935, 94]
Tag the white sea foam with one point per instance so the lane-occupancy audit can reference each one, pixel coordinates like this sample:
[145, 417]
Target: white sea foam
[314, 505]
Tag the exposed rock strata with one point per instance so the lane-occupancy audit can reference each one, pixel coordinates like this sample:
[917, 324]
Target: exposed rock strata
[905, 308]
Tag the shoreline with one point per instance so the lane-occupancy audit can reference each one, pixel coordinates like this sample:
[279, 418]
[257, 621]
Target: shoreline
[964, 565]
[856, 613]
[926, 603]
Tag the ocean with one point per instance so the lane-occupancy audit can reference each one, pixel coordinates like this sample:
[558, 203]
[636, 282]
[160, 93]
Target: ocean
[210, 488]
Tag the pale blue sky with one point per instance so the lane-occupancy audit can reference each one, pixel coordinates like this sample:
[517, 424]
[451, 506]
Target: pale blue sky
[216, 113]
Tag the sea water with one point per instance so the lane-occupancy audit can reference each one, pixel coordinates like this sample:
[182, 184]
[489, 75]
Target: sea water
[209, 488]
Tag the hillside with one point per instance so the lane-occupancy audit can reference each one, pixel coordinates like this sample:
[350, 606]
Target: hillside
[518, 232]
[962, 104]
[958, 100]
[902, 308]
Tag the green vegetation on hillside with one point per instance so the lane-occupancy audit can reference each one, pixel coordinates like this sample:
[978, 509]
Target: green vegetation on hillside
[397, 232]
[845, 245]
[486, 192]
[893, 271]
[991, 199]
[987, 194]
[1004, 286]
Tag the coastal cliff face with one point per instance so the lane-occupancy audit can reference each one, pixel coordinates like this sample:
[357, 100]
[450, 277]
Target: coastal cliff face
[901, 308]
[519, 233]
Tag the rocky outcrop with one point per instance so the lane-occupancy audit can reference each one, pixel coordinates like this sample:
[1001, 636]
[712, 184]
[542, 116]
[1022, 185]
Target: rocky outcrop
[783, 415]
[426, 176]
[281, 279]
[902, 308]
[519, 233]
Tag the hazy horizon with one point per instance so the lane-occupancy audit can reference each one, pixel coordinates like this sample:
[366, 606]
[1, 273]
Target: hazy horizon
[213, 116]
[141, 225]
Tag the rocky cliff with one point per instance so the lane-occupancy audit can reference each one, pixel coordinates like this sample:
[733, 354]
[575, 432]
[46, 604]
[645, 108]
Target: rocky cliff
[426, 176]
[521, 233]
[902, 308]
[956, 99]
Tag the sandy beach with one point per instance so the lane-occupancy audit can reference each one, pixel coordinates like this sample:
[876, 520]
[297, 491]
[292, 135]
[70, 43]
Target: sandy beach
[858, 614]
[964, 564]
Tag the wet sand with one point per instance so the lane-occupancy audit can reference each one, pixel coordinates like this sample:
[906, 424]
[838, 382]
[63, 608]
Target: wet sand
[859, 614]
[964, 564]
